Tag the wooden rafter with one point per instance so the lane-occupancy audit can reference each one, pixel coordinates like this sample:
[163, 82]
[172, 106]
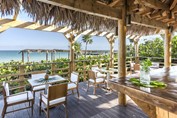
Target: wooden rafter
[155, 4]
[114, 3]
[145, 21]
[57, 29]
[173, 4]
[94, 8]
[87, 6]
[41, 27]
[24, 25]
[106, 34]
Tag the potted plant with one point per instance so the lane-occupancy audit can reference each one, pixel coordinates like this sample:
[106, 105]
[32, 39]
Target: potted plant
[145, 71]
[46, 77]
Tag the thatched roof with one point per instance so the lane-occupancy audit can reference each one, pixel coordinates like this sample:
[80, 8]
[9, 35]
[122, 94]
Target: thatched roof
[47, 14]
[9, 7]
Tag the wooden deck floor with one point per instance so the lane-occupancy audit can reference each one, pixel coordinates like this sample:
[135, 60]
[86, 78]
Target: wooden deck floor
[102, 105]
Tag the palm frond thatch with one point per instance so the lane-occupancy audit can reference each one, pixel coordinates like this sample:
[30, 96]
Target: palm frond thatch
[9, 7]
[47, 14]
[54, 15]
[140, 30]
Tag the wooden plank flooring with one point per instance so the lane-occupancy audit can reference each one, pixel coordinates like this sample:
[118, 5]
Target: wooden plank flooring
[102, 105]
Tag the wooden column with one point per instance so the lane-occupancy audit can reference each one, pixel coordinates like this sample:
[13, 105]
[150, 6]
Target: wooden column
[23, 57]
[21, 76]
[121, 57]
[111, 42]
[136, 52]
[122, 50]
[71, 55]
[28, 56]
[167, 49]
[47, 56]
[51, 56]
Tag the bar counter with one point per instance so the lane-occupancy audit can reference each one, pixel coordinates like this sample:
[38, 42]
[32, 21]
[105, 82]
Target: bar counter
[156, 102]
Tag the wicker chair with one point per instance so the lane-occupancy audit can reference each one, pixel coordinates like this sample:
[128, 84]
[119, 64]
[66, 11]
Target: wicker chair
[19, 98]
[74, 83]
[94, 80]
[57, 95]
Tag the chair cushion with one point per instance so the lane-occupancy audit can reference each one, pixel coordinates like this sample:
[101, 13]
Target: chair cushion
[98, 80]
[100, 75]
[71, 85]
[7, 89]
[53, 102]
[19, 98]
[41, 87]
[74, 77]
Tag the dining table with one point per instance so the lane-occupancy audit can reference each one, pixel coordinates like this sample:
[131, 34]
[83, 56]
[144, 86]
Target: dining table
[156, 102]
[108, 72]
[38, 80]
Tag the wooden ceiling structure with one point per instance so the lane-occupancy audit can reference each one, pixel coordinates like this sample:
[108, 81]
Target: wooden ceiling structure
[111, 10]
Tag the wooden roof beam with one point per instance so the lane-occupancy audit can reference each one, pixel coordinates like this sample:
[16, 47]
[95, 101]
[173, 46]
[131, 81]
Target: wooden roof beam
[4, 21]
[41, 27]
[173, 4]
[57, 29]
[155, 4]
[24, 25]
[114, 3]
[145, 21]
[94, 8]
[68, 31]
[87, 6]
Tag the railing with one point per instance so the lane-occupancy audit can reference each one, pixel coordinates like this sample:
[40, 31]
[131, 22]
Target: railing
[17, 74]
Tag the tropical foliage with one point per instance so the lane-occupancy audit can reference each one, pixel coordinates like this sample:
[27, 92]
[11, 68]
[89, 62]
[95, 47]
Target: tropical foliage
[87, 39]
[152, 48]
[174, 47]
[77, 48]
[82, 65]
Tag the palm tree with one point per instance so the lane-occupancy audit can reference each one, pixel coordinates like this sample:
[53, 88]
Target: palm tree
[77, 48]
[87, 40]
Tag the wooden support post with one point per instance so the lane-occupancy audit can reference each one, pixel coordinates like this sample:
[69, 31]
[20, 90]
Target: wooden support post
[136, 52]
[28, 57]
[21, 76]
[23, 57]
[53, 68]
[47, 56]
[51, 56]
[112, 53]
[71, 56]
[167, 49]
[85, 75]
[122, 50]
[122, 57]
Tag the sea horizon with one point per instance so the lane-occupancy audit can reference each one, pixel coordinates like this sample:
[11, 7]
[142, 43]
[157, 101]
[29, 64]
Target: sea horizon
[15, 55]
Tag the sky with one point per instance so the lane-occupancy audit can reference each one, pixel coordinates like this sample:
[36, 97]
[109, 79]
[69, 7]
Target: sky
[19, 39]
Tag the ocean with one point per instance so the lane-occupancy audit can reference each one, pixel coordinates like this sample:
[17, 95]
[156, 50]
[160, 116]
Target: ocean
[6, 56]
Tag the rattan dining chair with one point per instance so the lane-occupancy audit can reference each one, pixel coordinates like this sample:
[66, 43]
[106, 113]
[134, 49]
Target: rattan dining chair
[94, 80]
[74, 83]
[57, 95]
[15, 99]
